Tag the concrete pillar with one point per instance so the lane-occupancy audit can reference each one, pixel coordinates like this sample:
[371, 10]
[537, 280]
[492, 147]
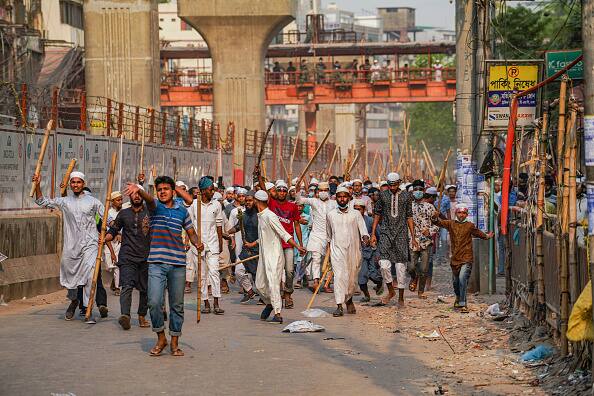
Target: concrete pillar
[122, 51]
[238, 33]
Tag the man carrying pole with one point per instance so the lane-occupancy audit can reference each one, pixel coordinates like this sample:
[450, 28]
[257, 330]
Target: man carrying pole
[345, 231]
[271, 258]
[80, 237]
[167, 259]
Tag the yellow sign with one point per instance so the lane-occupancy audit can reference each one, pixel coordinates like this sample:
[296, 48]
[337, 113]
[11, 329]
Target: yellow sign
[504, 81]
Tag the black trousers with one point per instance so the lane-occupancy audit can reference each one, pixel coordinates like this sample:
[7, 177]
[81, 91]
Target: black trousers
[133, 275]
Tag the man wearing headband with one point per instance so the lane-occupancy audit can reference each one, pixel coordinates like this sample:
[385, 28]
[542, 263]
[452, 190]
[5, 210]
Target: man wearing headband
[271, 260]
[212, 237]
[133, 226]
[393, 212]
[317, 243]
[346, 232]
[80, 236]
[167, 258]
[461, 232]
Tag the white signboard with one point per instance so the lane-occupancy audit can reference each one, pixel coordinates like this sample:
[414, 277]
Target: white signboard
[33, 148]
[97, 162]
[12, 152]
[69, 145]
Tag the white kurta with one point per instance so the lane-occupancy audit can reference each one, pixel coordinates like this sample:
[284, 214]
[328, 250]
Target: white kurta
[233, 221]
[345, 230]
[271, 260]
[319, 209]
[80, 237]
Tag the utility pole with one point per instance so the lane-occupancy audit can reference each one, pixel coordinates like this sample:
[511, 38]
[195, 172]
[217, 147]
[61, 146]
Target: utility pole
[466, 111]
[587, 39]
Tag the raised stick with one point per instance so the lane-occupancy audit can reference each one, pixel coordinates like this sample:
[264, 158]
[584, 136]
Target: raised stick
[329, 171]
[67, 177]
[293, 156]
[97, 268]
[440, 183]
[142, 150]
[327, 268]
[311, 161]
[199, 261]
[48, 129]
[239, 262]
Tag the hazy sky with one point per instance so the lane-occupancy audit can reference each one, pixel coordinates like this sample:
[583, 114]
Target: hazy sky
[437, 13]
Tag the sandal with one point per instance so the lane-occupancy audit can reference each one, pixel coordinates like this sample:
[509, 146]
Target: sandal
[187, 290]
[218, 311]
[464, 310]
[412, 286]
[156, 350]
[205, 310]
[177, 352]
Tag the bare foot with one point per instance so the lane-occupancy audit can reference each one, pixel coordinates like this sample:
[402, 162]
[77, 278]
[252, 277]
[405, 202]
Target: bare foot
[391, 295]
[400, 303]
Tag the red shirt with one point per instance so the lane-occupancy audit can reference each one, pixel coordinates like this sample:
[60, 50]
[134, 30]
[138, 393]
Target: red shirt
[287, 213]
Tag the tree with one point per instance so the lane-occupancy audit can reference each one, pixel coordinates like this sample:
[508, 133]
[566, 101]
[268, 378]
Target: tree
[432, 122]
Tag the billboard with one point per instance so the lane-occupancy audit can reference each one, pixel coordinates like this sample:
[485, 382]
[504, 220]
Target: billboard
[557, 60]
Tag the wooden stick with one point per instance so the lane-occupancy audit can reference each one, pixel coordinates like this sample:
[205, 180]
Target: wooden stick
[97, 268]
[440, 183]
[329, 171]
[142, 150]
[293, 157]
[199, 261]
[48, 129]
[263, 167]
[313, 158]
[328, 279]
[67, 177]
[327, 268]
[429, 155]
[282, 162]
[239, 262]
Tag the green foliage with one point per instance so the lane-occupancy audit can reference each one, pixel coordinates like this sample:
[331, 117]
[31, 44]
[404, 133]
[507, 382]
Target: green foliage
[423, 60]
[432, 122]
[526, 32]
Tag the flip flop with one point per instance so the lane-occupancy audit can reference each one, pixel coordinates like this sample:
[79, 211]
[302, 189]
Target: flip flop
[157, 350]
[205, 310]
[218, 311]
[177, 352]
[379, 304]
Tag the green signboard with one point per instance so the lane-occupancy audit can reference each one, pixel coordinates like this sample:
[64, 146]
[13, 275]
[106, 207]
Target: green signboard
[557, 60]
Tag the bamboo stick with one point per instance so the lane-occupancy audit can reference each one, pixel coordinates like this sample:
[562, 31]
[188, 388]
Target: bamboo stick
[199, 261]
[572, 202]
[313, 158]
[442, 175]
[326, 269]
[293, 156]
[239, 262]
[540, 209]
[97, 267]
[48, 129]
[329, 171]
[142, 150]
[66, 178]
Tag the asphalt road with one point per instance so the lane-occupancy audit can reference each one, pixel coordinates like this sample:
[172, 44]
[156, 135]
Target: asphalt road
[42, 354]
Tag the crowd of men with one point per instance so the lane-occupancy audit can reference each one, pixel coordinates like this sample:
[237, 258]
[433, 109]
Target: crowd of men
[269, 238]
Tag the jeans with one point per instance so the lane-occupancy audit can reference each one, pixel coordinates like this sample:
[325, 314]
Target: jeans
[419, 265]
[133, 275]
[502, 246]
[289, 270]
[460, 282]
[369, 271]
[174, 277]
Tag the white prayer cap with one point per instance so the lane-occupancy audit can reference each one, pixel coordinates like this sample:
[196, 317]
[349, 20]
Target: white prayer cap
[230, 190]
[268, 186]
[217, 195]
[314, 181]
[358, 202]
[342, 189]
[383, 183]
[241, 191]
[281, 184]
[291, 188]
[278, 181]
[357, 181]
[461, 207]
[393, 178]
[261, 195]
[348, 184]
[374, 185]
[451, 186]
[295, 180]
[323, 186]
[140, 187]
[77, 174]
[431, 191]
[115, 194]
[180, 183]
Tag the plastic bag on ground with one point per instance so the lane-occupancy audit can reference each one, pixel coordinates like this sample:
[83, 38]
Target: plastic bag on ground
[315, 313]
[580, 326]
[493, 310]
[303, 326]
[539, 352]
[430, 336]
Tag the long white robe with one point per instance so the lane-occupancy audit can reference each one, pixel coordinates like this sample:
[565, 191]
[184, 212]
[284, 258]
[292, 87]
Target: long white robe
[345, 230]
[319, 210]
[80, 237]
[271, 260]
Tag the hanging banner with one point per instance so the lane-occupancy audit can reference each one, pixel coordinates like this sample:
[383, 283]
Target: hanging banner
[33, 144]
[96, 165]
[466, 182]
[69, 145]
[504, 81]
[12, 183]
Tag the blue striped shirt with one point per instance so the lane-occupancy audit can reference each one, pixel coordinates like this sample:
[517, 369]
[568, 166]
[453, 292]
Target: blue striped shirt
[167, 246]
